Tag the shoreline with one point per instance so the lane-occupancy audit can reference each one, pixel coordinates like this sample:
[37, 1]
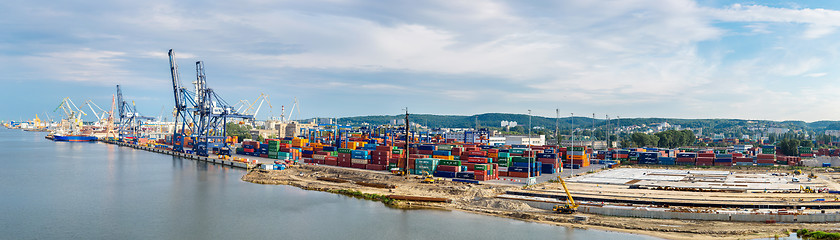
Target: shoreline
[480, 199]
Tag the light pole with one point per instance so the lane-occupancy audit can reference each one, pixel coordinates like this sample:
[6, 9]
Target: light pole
[572, 147]
[592, 134]
[557, 136]
[530, 152]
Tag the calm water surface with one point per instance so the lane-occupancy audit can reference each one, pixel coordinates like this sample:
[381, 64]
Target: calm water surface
[61, 190]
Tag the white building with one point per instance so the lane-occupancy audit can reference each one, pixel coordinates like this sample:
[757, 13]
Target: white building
[524, 140]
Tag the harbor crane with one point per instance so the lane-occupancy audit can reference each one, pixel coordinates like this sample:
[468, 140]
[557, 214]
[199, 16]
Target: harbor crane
[130, 122]
[73, 115]
[202, 110]
[570, 206]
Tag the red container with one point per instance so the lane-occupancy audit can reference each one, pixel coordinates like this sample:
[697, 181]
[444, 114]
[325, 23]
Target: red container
[377, 167]
[477, 160]
[477, 153]
[358, 165]
[518, 174]
[470, 166]
[331, 162]
[448, 168]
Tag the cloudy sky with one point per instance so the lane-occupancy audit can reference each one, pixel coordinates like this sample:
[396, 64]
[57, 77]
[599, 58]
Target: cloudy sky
[774, 60]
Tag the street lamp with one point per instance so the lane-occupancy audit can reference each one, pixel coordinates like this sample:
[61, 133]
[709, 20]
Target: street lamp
[530, 152]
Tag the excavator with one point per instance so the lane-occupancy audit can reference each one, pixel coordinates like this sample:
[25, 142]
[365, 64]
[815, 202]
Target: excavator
[570, 206]
[428, 178]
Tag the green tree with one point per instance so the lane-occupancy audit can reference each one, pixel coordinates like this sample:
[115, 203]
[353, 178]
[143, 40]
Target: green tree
[788, 147]
[240, 131]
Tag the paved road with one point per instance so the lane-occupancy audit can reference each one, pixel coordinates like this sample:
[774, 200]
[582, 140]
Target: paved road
[546, 177]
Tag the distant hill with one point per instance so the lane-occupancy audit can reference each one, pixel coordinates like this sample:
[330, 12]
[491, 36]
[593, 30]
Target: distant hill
[495, 119]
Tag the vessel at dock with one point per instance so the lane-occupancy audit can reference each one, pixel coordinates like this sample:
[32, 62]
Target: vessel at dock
[74, 138]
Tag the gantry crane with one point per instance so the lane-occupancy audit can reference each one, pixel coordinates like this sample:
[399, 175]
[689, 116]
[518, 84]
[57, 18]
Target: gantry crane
[130, 122]
[203, 111]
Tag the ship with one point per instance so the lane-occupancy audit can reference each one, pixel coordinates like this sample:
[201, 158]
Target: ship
[70, 128]
[74, 138]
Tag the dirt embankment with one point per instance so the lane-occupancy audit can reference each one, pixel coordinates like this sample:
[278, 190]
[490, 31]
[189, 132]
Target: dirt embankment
[480, 198]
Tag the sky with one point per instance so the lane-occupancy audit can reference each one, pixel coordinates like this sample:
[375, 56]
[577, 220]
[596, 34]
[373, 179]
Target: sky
[769, 60]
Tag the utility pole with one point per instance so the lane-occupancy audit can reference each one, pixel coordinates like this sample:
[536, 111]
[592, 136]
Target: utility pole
[609, 132]
[592, 133]
[557, 136]
[572, 148]
[530, 152]
[405, 170]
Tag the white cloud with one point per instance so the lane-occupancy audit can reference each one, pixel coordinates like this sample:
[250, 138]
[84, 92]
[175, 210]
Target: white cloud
[610, 54]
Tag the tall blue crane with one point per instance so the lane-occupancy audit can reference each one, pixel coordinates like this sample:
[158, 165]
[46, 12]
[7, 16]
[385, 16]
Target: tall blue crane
[130, 121]
[202, 114]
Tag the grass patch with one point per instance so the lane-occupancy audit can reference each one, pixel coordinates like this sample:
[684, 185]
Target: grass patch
[817, 235]
[369, 196]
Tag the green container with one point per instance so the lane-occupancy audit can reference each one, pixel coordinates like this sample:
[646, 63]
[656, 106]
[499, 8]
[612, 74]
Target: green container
[805, 150]
[504, 155]
[396, 151]
[482, 167]
[522, 159]
[445, 147]
[344, 150]
[286, 141]
[578, 148]
[427, 161]
[449, 162]
[516, 151]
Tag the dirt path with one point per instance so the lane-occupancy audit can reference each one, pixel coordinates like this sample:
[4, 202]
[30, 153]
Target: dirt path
[480, 199]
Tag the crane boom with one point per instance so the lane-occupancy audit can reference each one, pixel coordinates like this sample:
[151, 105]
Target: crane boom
[568, 195]
[570, 206]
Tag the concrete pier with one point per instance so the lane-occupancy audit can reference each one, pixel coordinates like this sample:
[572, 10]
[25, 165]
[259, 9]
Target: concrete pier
[185, 155]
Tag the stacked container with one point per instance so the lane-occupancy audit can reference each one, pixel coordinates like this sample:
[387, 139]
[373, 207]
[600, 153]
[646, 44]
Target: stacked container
[686, 158]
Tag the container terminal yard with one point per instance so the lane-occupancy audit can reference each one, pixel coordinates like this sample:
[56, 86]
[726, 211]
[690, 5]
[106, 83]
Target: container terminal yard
[679, 193]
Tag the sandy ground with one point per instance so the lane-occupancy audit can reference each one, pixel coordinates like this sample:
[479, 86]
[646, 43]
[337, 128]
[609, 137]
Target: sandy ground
[480, 199]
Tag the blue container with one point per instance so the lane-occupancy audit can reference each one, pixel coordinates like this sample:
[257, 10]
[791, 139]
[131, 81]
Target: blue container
[548, 168]
[359, 153]
[524, 164]
[519, 146]
[826, 164]
[444, 174]
[442, 153]
[465, 175]
[308, 152]
[723, 160]
[546, 155]
[330, 149]
[464, 168]
[427, 147]
[549, 151]
[504, 150]
[485, 147]
[633, 154]
[517, 169]
[687, 155]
